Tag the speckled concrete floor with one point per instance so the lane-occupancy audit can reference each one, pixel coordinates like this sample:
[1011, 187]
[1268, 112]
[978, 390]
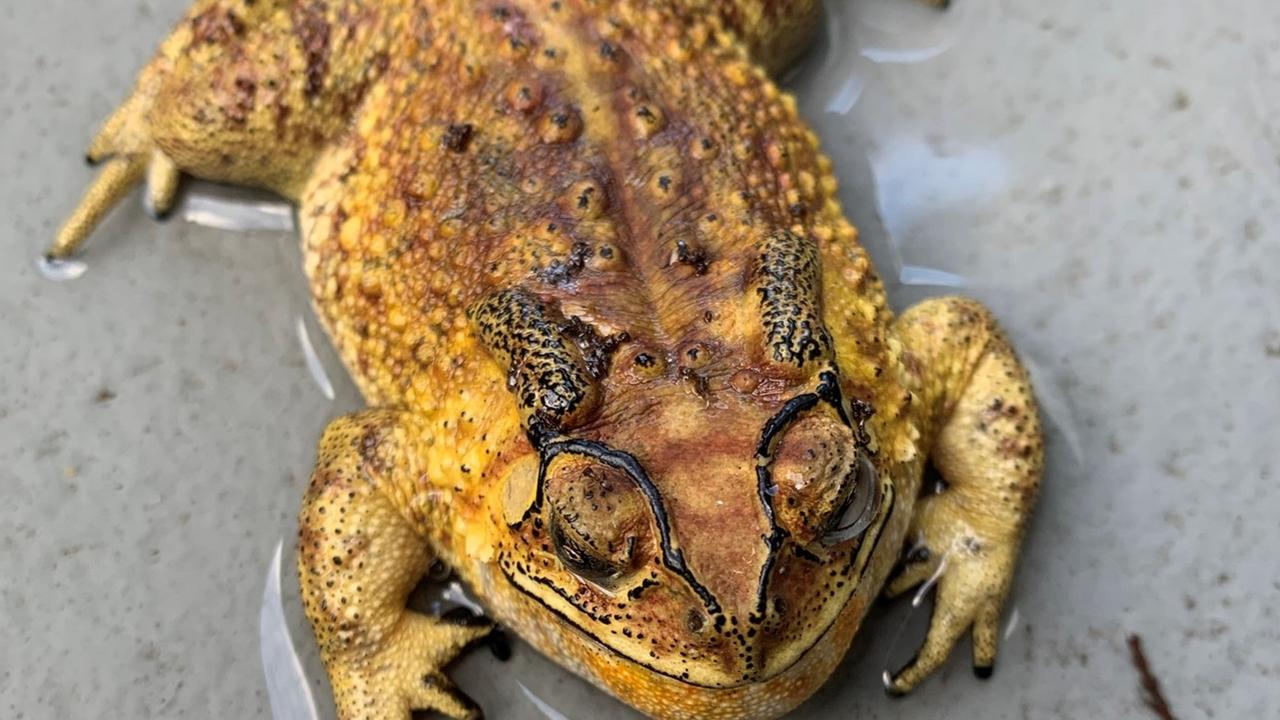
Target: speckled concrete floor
[1104, 174]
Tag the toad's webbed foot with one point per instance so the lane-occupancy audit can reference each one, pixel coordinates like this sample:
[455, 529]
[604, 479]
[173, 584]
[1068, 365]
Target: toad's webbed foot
[972, 578]
[358, 559]
[404, 674]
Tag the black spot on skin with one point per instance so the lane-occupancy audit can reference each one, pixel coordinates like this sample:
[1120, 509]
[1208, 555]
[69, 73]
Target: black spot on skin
[695, 258]
[457, 137]
[562, 270]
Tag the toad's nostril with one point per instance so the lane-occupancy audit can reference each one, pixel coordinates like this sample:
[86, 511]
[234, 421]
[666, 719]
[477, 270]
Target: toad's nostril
[695, 620]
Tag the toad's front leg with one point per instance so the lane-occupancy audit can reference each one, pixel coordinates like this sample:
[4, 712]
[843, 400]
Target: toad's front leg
[358, 559]
[978, 411]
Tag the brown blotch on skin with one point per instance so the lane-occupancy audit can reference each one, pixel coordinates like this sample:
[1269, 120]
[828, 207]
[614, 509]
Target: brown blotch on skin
[312, 29]
[745, 381]
[243, 99]
[216, 25]
[696, 382]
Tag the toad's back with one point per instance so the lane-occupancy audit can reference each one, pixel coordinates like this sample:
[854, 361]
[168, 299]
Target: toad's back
[620, 166]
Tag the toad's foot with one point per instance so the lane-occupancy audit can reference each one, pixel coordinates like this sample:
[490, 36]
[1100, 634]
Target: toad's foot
[358, 559]
[129, 156]
[979, 412]
[404, 674]
[972, 577]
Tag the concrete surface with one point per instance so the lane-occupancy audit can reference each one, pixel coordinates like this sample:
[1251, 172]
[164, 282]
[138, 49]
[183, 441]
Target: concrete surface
[1104, 174]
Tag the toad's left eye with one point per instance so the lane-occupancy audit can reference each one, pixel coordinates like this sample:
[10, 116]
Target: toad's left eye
[824, 486]
[859, 506]
[598, 519]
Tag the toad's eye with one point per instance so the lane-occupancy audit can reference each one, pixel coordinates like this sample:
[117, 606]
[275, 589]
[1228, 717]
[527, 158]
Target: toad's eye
[859, 506]
[598, 517]
[825, 488]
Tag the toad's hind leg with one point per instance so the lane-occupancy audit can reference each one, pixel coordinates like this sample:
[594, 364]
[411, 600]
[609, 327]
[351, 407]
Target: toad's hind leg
[979, 414]
[128, 155]
[247, 92]
[358, 559]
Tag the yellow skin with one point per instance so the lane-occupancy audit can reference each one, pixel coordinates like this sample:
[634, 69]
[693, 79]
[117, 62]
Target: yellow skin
[632, 376]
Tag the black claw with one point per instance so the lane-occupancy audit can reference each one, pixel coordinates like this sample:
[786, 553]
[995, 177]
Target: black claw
[90, 160]
[983, 671]
[462, 616]
[499, 644]
[162, 215]
[475, 712]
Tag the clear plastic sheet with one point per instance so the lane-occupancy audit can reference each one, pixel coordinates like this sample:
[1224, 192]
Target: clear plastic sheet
[894, 177]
